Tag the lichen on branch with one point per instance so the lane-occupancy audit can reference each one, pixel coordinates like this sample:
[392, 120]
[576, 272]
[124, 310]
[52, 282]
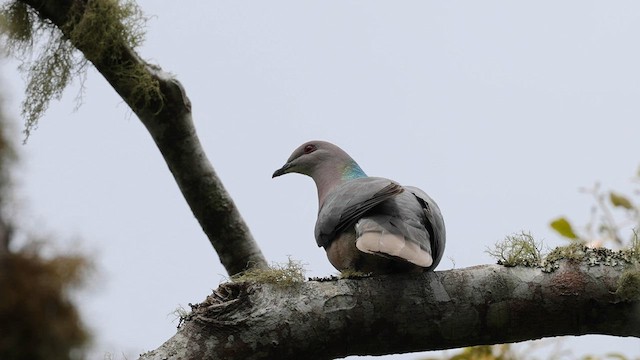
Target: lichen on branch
[517, 249]
[522, 250]
[285, 275]
[101, 29]
[100, 26]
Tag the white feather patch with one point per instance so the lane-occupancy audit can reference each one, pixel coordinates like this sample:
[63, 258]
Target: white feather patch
[372, 242]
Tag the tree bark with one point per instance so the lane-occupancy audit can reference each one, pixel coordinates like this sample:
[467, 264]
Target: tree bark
[392, 314]
[168, 119]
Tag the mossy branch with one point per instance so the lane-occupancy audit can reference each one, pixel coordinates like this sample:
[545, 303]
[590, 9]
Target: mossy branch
[522, 250]
[49, 55]
[106, 32]
[400, 313]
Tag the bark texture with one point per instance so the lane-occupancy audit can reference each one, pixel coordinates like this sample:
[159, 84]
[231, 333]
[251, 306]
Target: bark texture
[168, 119]
[391, 314]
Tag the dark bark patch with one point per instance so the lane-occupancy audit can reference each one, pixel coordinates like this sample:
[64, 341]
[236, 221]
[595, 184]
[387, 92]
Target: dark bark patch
[569, 282]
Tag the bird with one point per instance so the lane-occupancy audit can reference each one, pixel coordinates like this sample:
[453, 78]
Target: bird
[369, 225]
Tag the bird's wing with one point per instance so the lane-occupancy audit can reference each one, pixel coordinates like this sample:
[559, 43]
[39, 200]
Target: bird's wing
[433, 223]
[409, 226]
[348, 202]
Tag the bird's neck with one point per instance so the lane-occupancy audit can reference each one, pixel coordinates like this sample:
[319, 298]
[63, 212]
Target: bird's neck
[333, 176]
[352, 171]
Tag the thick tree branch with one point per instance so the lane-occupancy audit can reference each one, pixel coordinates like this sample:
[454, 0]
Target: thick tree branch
[404, 313]
[167, 116]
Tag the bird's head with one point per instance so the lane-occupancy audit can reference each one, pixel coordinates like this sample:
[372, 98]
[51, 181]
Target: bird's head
[312, 156]
[325, 163]
[307, 158]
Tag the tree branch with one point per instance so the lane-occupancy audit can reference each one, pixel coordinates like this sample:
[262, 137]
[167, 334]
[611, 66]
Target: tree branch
[167, 116]
[486, 304]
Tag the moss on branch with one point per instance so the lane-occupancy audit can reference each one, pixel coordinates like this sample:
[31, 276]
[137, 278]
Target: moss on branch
[522, 250]
[285, 275]
[101, 29]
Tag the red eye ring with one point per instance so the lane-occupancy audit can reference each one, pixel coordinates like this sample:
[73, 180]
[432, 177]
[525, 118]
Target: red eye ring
[309, 149]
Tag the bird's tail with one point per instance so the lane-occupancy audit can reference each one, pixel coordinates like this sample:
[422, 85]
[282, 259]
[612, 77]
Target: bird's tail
[379, 241]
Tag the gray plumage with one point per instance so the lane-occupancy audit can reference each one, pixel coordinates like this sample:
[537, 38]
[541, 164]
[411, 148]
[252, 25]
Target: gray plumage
[368, 223]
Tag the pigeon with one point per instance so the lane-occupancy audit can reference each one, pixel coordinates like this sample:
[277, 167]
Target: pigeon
[368, 224]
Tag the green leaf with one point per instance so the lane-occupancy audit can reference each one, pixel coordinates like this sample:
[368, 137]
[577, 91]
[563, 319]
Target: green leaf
[620, 201]
[563, 227]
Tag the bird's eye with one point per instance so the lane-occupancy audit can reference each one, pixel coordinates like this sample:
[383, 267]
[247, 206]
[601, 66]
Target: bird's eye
[309, 149]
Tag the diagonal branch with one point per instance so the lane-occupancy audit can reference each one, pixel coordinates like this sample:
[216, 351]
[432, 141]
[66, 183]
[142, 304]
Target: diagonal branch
[166, 113]
[391, 314]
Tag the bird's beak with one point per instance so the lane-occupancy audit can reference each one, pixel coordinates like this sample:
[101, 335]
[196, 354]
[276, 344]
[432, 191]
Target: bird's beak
[283, 170]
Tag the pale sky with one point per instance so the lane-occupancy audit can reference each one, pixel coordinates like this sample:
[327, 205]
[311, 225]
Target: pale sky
[500, 110]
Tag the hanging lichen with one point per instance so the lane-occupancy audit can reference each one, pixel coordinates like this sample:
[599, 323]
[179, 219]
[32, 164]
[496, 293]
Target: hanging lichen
[17, 23]
[101, 29]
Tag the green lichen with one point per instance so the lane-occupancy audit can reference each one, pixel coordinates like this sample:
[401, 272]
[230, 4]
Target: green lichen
[286, 275]
[577, 252]
[101, 26]
[101, 29]
[144, 88]
[522, 250]
[17, 23]
[628, 286]
[572, 252]
[353, 274]
[517, 249]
